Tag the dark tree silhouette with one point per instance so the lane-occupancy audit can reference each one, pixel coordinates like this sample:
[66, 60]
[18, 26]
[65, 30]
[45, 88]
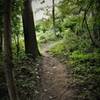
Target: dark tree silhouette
[7, 51]
[31, 47]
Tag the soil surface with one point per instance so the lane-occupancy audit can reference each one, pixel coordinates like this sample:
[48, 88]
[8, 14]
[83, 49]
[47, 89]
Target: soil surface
[55, 79]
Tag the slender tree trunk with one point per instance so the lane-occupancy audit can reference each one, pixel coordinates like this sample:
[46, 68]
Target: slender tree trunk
[7, 51]
[0, 42]
[53, 15]
[31, 47]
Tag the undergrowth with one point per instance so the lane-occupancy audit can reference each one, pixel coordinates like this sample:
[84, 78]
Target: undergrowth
[85, 64]
[26, 73]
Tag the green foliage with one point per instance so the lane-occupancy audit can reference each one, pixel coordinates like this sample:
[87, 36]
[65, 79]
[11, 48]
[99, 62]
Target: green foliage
[77, 55]
[73, 42]
[58, 48]
[84, 60]
[27, 77]
[43, 25]
[86, 68]
[45, 37]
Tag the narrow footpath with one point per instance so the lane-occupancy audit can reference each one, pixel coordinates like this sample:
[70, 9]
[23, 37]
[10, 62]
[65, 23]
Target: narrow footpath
[55, 79]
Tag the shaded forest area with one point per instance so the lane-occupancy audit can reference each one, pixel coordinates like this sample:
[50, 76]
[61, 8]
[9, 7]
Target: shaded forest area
[69, 32]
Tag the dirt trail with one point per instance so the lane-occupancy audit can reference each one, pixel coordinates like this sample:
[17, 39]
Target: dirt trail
[54, 79]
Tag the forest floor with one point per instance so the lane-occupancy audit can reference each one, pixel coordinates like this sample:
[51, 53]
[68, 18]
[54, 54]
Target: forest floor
[55, 79]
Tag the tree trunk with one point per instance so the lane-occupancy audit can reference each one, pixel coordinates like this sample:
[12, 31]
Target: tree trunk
[0, 42]
[53, 15]
[7, 51]
[31, 47]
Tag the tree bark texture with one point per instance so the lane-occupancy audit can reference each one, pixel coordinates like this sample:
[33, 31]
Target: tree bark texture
[7, 51]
